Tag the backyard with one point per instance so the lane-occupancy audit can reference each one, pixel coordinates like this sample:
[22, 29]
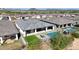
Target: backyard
[58, 41]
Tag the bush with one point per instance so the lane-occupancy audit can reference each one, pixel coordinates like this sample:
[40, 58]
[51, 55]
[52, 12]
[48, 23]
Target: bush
[33, 42]
[60, 42]
[76, 35]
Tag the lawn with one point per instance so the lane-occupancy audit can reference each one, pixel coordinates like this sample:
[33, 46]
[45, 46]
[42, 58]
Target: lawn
[33, 42]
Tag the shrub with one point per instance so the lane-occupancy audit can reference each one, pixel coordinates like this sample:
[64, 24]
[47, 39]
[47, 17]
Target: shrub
[60, 42]
[76, 35]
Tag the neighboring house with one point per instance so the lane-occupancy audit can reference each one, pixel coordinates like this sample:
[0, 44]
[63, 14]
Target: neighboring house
[74, 18]
[31, 26]
[7, 31]
[60, 22]
[6, 18]
[25, 17]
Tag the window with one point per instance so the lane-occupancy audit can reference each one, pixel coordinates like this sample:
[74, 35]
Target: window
[50, 27]
[30, 31]
[23, 17]
[7, 17]
[76, 22]
[41, 29]
[57, 26]
[60, 26]
[69, 24]
[64, 25]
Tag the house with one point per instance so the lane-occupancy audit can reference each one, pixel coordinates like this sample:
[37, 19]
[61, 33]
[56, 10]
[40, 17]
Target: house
[32, 26]
[6, 18]
[60, 22]
[7, 31]
[74, 18]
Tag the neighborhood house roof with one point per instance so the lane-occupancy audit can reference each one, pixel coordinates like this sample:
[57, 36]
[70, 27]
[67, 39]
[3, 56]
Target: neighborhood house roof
[75, 18]
[59, 20]
[7, 28]
[31, 24]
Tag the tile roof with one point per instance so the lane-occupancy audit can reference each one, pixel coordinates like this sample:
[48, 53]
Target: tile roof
[31, 24]
[58, 20]
[7, 28]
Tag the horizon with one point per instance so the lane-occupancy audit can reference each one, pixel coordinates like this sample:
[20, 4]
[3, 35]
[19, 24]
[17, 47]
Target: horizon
[43, 8]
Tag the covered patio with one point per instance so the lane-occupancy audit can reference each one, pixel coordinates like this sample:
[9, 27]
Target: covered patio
[29, 27]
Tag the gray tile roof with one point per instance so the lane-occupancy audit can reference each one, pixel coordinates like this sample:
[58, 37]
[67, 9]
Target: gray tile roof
[7, 28]
[59, 20]
[75, 18]
[31, 24]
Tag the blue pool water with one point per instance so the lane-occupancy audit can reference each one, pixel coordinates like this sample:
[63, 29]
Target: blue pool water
[52, 34]
[70, 30]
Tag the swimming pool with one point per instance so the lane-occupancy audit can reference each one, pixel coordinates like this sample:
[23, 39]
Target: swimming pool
[70, 29]
[52, 34]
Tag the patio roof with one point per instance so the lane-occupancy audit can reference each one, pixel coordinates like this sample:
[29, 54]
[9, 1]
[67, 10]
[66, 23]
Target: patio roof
[7, 28]
[31, 24]
[58, 20]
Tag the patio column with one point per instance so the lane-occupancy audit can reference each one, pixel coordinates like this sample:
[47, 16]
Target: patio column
[24, 34]
[59, 27]
[20, 17]
[1, 18]
[16, 37]
[67, 25]
[71, 25]
[1, 40]
[46, 28]
[53, 27]
[63, 26]
[35, 31]
[9, 18]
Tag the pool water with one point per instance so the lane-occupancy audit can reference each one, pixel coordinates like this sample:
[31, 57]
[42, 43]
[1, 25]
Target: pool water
[52, 34]
[70, 30]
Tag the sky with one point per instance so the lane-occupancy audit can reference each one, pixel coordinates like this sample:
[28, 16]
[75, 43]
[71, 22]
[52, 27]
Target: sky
[43, 8]
[39, 4]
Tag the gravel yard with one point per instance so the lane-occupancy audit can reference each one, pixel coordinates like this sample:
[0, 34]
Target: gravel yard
[74, 45]
[11, 46]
